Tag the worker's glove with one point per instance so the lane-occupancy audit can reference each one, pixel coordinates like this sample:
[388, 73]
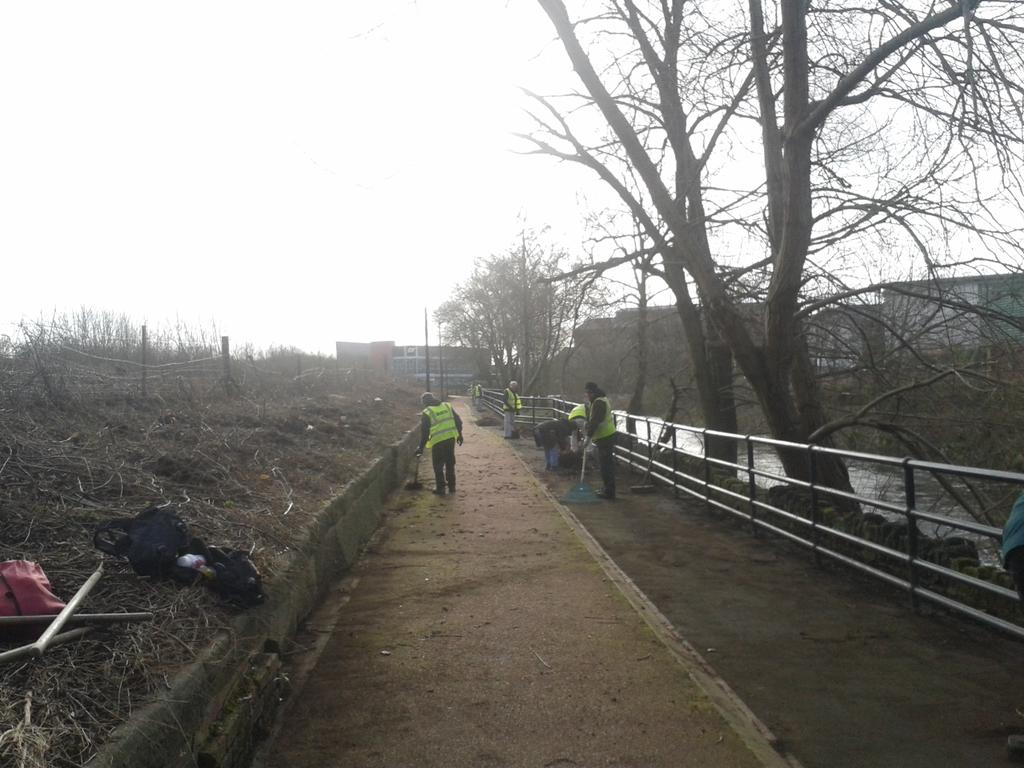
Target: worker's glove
[458, 440]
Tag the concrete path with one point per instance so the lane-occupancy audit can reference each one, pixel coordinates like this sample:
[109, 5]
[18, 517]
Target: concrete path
[480, 631]
[837, 665]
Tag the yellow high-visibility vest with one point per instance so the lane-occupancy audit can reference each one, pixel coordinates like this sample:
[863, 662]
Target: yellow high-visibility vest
[512, 401]
[442, 423]
[607, 427]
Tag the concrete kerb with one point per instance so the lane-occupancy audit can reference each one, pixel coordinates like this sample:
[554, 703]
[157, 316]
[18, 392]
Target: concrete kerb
[170, 729]
[759, 739]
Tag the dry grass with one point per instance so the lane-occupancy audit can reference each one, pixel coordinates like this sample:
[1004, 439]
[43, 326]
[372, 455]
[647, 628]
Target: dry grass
[246, 466]
[24, 744]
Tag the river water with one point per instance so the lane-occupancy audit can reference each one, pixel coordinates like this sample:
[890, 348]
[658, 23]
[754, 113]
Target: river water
[873, 480]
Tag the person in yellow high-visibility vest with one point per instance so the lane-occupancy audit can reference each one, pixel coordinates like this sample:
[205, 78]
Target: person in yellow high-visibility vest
[601, 431]
[510, 408]
[440, 430]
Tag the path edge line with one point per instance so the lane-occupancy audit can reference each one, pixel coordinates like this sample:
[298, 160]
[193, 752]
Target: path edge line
[758, 737]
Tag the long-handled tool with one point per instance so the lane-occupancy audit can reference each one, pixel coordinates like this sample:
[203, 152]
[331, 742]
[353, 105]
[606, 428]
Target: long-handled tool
[78, 618]
[50, 636]
[645, 485]
[415, 484]
[581, 493]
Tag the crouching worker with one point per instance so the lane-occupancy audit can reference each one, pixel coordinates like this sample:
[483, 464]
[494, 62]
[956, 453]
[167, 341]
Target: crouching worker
[553, 437]
[1013, 545]
[440, 430]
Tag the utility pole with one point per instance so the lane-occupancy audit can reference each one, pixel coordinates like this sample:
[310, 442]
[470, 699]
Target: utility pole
[440, 360]
[524, 355]
[426, 346]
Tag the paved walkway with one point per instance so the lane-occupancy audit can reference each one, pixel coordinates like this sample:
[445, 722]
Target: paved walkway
[480, 631]
[837, 665]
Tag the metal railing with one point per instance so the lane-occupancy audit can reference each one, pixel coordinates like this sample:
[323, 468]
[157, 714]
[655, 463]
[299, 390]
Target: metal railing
[674, 456]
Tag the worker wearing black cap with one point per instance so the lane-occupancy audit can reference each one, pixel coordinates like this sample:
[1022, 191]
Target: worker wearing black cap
[440, 430]
[601, 431]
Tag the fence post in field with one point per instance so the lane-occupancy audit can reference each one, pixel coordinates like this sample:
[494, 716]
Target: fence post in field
[225, 353]
[143, 360]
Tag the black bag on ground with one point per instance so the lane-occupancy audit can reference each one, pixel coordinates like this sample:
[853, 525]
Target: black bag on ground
[237, 579]
[151, 541]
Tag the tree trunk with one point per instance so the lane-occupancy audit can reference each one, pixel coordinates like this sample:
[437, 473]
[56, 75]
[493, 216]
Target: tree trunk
[711, 363]
[830, 470]
[768, 366]
[723, 418]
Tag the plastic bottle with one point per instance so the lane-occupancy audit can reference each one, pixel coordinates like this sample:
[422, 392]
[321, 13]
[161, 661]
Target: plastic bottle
[198, 563]
[192, 561]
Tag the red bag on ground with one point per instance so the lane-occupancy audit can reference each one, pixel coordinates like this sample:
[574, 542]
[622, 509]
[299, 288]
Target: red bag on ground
[25, 591]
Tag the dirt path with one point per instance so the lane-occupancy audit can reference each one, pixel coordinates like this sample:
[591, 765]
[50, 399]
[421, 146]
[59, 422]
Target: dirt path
[837, 666]
[481, 632]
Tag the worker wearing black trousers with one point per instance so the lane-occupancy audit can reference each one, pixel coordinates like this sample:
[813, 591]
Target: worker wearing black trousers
[601, 431]
[440, 430]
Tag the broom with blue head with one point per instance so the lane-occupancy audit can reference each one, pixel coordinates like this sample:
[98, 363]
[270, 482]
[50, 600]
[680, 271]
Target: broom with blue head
[581, 493]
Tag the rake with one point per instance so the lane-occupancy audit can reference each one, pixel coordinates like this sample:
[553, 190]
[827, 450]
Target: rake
[646, 486]
[581, 493]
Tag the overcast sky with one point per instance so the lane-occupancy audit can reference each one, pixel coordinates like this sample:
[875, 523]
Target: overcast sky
[294, 173]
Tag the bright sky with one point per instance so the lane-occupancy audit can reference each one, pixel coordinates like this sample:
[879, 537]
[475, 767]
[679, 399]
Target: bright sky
[294, 173]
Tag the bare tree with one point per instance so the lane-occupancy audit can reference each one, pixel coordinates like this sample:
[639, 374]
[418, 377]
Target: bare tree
[893, 122]
[511, 309]
[636, 294]
[712, 362]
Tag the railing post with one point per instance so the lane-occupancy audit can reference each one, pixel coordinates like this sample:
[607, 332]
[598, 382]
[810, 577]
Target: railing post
[707, 468]
[813, 471]
[650, 451]
[751, 485]
[632, 449]
[533, 412]
[675, 465]
[910, 496]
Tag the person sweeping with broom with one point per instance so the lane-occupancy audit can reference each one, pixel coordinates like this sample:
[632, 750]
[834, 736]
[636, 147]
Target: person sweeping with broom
[601, 431]
[440, 430]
